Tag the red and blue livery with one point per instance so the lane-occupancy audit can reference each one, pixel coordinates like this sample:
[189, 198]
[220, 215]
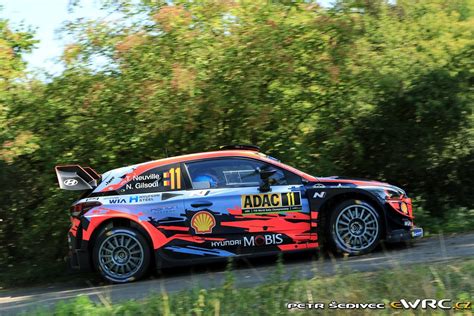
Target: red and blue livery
[235, 201]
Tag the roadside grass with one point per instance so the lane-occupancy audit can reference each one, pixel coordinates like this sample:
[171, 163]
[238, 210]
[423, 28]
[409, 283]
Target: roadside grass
[453, 280]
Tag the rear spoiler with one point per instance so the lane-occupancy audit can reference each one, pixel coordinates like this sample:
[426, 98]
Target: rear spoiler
[75, 177]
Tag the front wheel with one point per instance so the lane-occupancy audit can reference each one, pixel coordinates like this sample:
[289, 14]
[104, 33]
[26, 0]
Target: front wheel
[354, 228]
[121, 254]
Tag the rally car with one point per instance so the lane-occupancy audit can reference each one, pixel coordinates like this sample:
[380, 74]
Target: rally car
[235, 201]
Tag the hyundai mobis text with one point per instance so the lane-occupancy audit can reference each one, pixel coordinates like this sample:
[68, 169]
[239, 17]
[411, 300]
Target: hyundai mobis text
[213, 205]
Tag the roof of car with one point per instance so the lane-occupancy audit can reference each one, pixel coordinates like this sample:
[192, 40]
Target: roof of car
[202, 155]
[140, 168]
[143, 167]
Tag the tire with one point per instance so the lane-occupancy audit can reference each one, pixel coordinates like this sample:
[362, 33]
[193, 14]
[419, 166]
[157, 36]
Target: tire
[121, 255]
[354, 228]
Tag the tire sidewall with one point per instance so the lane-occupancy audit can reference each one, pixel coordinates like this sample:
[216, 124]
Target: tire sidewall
[128, 231]
[334, 242]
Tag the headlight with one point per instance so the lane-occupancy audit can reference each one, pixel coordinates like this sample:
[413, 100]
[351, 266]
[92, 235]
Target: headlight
[404, 207]
[395, 193]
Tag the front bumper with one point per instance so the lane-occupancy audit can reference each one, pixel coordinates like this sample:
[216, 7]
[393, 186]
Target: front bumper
[399, 235]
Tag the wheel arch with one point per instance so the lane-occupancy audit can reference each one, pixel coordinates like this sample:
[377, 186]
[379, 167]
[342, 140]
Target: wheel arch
[119, 221]
[334, 198]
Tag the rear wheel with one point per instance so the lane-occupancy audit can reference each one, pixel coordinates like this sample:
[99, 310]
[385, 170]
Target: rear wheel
[121, 254]
[354, 228]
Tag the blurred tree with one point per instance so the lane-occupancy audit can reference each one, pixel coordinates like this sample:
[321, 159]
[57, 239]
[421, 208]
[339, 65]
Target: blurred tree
[17, 140]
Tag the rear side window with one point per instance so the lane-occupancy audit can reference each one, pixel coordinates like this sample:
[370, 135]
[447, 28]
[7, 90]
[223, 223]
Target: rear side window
[161, 179]
[234, 172]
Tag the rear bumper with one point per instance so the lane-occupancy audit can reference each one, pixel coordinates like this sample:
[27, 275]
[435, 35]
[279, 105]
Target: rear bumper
[399, 235]
[79, 257]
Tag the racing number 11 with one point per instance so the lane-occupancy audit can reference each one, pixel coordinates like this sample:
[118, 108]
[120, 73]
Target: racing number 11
[175, 178]
[291, 198]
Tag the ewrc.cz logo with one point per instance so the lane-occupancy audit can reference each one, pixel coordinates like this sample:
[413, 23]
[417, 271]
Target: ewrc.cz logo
[430, 303]
[444, 304]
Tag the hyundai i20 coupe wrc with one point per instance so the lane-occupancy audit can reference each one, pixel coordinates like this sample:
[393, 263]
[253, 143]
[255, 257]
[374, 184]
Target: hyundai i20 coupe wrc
[235, 201]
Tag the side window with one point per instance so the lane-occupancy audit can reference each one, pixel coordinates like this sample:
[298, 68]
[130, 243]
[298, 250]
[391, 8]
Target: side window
[233, 172]
[161, 179]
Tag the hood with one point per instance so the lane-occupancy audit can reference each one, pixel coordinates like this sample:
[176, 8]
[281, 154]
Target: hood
[355, 181]
[336, 181]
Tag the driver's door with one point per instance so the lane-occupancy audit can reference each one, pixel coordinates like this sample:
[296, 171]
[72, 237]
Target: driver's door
[228, 214]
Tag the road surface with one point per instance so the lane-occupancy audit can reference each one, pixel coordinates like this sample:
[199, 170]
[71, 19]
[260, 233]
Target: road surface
[246, 272]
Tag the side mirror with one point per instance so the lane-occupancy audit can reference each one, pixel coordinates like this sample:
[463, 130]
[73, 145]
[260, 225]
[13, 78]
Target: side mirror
[265, 175]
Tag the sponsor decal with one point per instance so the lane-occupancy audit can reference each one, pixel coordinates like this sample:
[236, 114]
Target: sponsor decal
[143, 198]
[203, 222]
[134, 199]
[110, 180]
[251, 241]
[319, 195]
[92, 199]
[225, 243]
[70, 182]
[263, 240]
[164, 209]
[117, 201]
[270, 203]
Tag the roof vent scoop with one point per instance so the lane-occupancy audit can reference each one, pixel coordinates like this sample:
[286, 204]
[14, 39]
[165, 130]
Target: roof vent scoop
[240, 147]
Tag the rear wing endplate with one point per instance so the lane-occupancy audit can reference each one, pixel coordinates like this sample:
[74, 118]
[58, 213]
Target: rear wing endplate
[75, 177]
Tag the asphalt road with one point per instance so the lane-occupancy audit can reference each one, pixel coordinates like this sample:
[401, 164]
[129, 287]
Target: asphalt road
[246, 272]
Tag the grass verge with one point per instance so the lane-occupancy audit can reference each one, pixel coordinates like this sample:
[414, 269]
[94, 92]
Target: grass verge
[453, 280]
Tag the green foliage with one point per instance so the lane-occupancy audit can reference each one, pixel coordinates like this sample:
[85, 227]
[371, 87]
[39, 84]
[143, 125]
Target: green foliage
[459, 220]
[365, 89]
[440, 281]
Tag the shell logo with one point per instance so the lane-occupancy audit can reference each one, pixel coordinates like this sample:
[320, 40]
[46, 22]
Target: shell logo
[203, 222]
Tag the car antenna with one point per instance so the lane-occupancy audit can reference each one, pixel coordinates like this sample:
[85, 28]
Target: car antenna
[166, 152]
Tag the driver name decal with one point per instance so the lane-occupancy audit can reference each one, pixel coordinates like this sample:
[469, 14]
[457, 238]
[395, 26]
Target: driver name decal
[270, 203]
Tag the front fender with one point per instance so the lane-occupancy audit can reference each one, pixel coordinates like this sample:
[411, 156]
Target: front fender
[323, 198]
[320, 197]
